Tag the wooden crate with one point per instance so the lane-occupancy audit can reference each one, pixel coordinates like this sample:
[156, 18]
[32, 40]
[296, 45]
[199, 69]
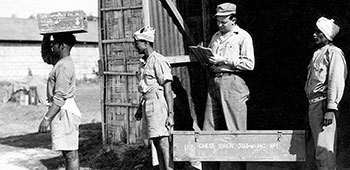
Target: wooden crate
[62, 21]
[282, 145]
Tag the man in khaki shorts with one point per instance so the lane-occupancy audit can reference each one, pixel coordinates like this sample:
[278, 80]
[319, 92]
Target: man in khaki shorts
[63, 115]
[155, 86]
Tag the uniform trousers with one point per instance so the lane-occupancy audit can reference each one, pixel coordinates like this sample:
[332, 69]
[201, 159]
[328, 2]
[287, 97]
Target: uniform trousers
[324, 136]
[226, 110]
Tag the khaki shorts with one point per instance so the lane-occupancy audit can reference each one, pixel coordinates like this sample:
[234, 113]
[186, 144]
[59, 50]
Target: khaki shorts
[156, 114]
[65, 131]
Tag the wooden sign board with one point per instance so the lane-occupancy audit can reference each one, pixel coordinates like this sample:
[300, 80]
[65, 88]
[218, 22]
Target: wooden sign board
[64, 21]
[283, 145]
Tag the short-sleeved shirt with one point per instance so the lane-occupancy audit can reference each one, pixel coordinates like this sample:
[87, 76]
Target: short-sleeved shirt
[61, 83]
[237, 47]
[154, 73]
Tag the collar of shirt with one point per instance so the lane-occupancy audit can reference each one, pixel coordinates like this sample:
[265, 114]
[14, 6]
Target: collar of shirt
[235, 30]
[325, 46]
[322, 50]
[151, 55]
[64, 58]
[143, 61]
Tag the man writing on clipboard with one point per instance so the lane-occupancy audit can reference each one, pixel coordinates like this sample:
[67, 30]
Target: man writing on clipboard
[227, 92]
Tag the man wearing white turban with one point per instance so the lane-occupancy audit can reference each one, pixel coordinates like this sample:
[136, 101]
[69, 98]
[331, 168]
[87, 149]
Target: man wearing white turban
[324, 88]
[157, 99]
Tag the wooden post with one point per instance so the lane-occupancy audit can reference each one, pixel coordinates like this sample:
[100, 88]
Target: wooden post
[101, 70]
[181, 25]
[178, 20]
[145, 9]
[206, 22]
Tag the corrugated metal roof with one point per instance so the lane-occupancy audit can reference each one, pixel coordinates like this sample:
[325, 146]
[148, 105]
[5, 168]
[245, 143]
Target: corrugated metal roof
[21, 29]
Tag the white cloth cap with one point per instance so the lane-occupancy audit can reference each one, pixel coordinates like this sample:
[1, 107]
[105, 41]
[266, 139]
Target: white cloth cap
[328, 28]
[145, 33]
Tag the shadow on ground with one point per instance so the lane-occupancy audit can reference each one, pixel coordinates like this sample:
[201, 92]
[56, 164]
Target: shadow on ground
[94, 155]
[90, 144]
[32, 140]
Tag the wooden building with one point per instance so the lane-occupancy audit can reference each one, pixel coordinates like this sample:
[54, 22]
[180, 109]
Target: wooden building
[282, 36]
[282, 52]
[119, 20]
[178, 25]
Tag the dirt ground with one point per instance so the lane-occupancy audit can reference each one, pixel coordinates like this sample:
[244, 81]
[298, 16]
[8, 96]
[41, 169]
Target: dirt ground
[22, 148]
[32, 152]
[29, 151]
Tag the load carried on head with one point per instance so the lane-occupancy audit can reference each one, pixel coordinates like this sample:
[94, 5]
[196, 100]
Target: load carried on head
[63, 21]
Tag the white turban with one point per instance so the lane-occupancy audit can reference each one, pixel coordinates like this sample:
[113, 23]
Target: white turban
[145, 33]
[328, 28]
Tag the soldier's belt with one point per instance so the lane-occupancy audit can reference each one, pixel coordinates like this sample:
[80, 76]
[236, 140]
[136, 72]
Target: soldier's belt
[317, 99]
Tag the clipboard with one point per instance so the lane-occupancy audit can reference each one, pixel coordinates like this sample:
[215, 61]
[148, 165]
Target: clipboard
[202, 53]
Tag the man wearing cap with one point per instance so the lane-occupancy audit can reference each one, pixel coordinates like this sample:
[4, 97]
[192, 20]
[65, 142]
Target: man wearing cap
[324, 88]
[63, 115]
[227, 93]
[155, 86]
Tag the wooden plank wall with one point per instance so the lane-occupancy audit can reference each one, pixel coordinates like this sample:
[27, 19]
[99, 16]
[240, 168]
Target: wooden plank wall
[119, 19]
[188, 77]
[168, 40]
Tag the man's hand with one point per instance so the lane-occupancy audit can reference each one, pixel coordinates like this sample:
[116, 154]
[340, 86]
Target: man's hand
[44, 126]
[216, 59]
[170, 122]
[138, 114]
[328, 118]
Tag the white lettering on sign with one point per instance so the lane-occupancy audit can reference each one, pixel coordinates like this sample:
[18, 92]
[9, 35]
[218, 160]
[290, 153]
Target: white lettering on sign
[226, 145]
[252, 146]
[256, 146]
[275, 146]
[246, 147]
[206, 145]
